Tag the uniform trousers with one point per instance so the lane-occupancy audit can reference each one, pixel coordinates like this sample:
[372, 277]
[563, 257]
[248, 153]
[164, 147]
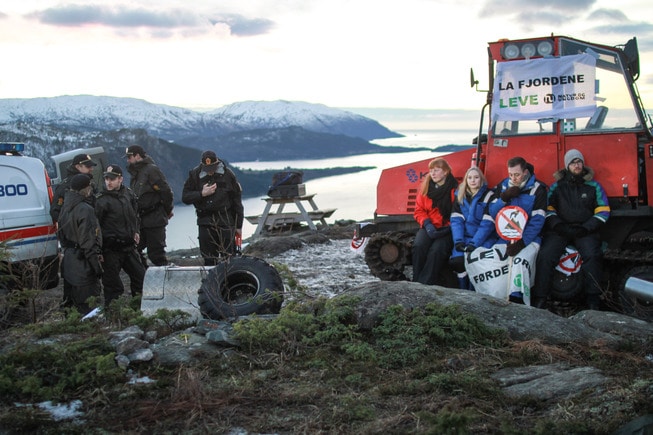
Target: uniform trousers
[216, 242]
[115, 260]
[154, 240]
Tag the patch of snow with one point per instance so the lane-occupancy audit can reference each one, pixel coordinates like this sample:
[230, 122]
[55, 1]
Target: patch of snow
[140, 380]
[59, 411]
[327, 269]
[63, 411]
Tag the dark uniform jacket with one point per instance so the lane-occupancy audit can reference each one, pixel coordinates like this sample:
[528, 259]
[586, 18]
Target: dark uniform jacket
[155, 198]
[225, 206]
[116, 213]
[577, 201]
[81, 238]
[62, 188]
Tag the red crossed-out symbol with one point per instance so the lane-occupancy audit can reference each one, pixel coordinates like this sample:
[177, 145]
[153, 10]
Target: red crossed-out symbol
[510, 222]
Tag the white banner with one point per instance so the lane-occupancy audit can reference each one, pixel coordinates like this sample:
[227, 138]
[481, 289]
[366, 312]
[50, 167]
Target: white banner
[492, 272]
[559, 87]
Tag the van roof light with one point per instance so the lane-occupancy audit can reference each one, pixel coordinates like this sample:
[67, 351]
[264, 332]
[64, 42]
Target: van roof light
[7, 147]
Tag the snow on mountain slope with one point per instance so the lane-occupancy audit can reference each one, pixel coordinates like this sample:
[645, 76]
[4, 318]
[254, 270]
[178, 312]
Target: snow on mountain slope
[248, 115]
[87, 112]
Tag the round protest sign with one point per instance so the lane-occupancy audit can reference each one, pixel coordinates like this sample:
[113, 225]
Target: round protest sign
[510, 222]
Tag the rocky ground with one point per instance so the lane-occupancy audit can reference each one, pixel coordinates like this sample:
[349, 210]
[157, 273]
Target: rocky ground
[323, 263]
[569, 375]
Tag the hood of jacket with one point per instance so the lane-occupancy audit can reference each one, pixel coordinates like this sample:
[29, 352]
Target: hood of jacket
[72, 198]
[588, 174]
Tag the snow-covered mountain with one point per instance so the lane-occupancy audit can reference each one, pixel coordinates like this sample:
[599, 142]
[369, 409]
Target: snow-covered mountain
[92, 113]
[175, 137]
[251, 115]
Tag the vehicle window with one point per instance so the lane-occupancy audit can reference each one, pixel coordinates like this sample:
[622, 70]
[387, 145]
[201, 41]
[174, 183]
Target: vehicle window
[614, 108]
[530, 127]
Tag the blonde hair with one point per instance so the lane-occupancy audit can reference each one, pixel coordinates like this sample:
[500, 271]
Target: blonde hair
[435, 163]
[463, 188]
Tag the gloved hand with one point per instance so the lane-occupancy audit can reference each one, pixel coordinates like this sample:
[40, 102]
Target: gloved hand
[514, 248]
[510, 193]
[460, 246]
[579, 231]
[564, 231]
[96, 266]
[470, 247]
[430, 229]
[442, 232]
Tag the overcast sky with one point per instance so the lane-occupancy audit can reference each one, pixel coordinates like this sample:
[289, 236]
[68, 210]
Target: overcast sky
[342, 53]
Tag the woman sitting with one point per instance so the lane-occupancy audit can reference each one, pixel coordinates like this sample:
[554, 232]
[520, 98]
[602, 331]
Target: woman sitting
[471, 224]
[433, 243]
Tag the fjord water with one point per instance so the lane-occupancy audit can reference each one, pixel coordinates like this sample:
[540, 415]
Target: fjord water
[352, 195]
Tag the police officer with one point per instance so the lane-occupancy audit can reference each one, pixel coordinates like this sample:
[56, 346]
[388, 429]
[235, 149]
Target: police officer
[216, 194]
[115, 208]
[81, 164]
[155, 204]
[81, 238]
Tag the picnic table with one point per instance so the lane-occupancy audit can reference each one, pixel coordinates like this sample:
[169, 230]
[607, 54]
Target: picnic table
[281, 218]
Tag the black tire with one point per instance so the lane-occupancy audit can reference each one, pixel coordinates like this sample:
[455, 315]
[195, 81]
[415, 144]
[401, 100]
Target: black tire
[241, 286]
[567, 288]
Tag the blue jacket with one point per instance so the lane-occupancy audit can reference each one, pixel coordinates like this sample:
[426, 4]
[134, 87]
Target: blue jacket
[532, 199]
[471, 223]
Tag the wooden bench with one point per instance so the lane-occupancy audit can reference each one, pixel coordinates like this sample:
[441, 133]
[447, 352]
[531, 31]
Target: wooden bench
[280, 218]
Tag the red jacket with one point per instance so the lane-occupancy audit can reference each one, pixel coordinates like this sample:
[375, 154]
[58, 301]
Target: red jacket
[424, 210]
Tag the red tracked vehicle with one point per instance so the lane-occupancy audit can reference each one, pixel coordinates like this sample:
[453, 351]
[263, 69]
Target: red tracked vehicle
[546, 96]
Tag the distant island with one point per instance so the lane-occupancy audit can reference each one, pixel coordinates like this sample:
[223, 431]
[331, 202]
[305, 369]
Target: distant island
[452, 148]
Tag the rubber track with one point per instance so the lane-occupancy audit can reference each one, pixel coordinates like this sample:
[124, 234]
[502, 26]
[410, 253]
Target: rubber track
[382, 270]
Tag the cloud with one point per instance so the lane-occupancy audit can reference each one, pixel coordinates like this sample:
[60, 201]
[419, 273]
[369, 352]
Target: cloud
[608, 15]
[626, 29]
[534, 7]
[528, 14]
[543, 17]
[80, 15]
[161, 22]
[615, 22]
[241, 26]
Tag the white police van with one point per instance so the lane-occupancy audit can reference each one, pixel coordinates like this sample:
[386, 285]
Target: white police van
[25, 224]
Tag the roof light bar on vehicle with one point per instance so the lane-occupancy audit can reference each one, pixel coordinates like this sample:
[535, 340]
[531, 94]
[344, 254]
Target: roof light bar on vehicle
[8, 147]
[527, 50]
